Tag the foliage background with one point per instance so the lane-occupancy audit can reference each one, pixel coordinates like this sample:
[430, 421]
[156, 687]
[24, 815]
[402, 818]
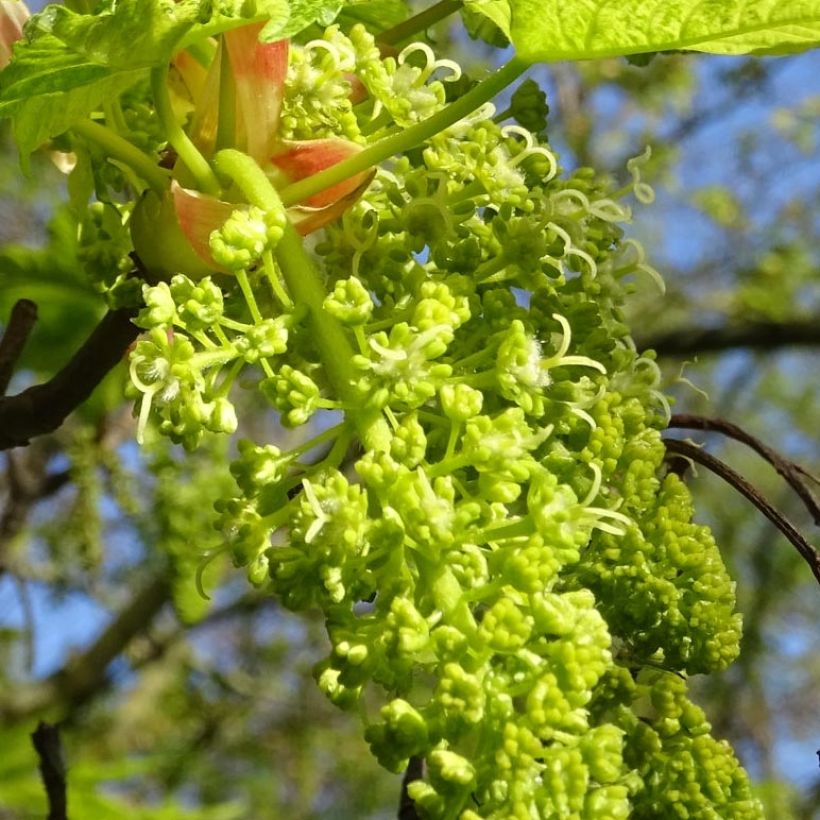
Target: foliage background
[208, 709]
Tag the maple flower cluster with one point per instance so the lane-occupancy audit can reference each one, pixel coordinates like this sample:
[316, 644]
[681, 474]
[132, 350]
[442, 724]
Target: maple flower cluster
[507, 560]
[500, 554]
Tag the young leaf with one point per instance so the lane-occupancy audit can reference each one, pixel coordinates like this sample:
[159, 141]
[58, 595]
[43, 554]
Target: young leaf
[497, 11]
[70, 63]
[588, 29]
[300, 14]
[377, 15]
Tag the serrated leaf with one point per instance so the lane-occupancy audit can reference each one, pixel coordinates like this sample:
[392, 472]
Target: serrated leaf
[588, 29]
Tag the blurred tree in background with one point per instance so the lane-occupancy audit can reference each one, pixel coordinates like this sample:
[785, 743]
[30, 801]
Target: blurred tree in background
[174, 706]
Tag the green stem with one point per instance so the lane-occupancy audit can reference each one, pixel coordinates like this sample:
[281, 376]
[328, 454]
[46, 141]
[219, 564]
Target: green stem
[187, 152]
[250, 299]
[407, 139]
[211, 358]
[230, 378]
[273, 278]
[326, 435]
[114, 116]
[419, 22]
[305, 285]
[120, 149]
[485, 270]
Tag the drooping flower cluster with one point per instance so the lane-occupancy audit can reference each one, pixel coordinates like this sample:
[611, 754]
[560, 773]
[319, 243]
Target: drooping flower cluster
[491, 535]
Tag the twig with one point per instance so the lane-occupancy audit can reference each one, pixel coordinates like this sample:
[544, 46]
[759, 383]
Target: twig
[85, 674]
[25, 488]
[46, 740]
[790, 471]
[692, 451]
[21, 322]
[415, 771]
[43, 408]
[29, 622]
[763, 336]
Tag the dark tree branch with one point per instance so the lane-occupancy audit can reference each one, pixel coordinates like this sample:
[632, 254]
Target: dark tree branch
[86, 674]
[22, 319]
[791, 472]
[698, 455]
[26, 486]
[43, 408]
[415, 771]
[46, 740]
[763, 336]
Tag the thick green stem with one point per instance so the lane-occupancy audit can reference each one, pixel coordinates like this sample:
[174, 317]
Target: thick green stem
[116, 147]
[306, 287]
[407, 139]
[419, 22]
[188, 152]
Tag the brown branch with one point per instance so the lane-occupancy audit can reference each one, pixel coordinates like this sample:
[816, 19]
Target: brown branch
[22, 319]
[763, 336]
[43, 408]
[791, 472]
[27, 484]
[46, 740]
[698, 455]
[86, 674]
[415, 771]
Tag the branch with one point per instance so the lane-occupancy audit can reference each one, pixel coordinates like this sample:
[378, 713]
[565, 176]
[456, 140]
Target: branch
[21, 322]
[85, 674]
[791, 472]
[46, 740]
[696, 454]
[415, 771]
[27, 484]
[763, 336]
[43, 408]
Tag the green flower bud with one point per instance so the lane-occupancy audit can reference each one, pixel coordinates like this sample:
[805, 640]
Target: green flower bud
[460, 402]
[504, 627]
[294, 394]
[409, 443]
[159, 310]
[449, 770]
[401, 734]
[262, 341]
[245, 236]
[350, 302]
[200, 304]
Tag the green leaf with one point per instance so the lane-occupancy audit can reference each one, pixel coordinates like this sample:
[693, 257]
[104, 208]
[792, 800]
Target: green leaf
[376, 15]
[498, 11]
[299, 14]
[70, 63]
[68, 306]
[587, 29]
